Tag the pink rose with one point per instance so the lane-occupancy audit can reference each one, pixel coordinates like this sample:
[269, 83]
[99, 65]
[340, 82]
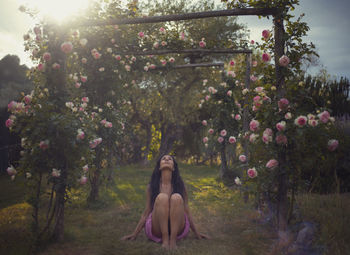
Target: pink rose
[205, 139]
[324, 116]
[77, 85]
[281, 126]
[47, 56]
[254, 125]
[281, 139]
[232, 139]
[55, 172]
[84, 60]
[171, 60]
[283, 103]
[86, 168]
[85, 99]
[56, 66]
[284, 60]
[67, 47]
[256, 98]
[9, 123]
[204, 122]
[300, 121]
[252, 173]
[259, 89]
[152, 66]
[252, 42]
[11, 171]
[220, 139]
[202, 44]
[27, 99]
[83, 78]
[268, 131]
[83, 180]
[211, 131]
[242, 158]
[266, 57]
[229, 93]
[118, 57]
[333, 144]
[12, 106]
[313, 123]
[141, 34]
[254, 63]
[41, 67]
[272, 163]
[232, 63]
[162, 30]
[44, 144]
[288, 116]
[238, 117]
[223, 132]
[265, 34]
[253, 137]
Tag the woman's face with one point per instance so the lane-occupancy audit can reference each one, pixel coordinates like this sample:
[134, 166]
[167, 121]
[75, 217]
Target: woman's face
[166, 162]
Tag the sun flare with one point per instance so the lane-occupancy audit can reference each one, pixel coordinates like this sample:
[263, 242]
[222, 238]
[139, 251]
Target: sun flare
[58, 10]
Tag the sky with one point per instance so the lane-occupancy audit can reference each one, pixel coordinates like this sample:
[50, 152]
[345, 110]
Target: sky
[329, 24]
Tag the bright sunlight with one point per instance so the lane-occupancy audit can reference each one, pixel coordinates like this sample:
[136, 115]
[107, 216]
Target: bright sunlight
[58, 10]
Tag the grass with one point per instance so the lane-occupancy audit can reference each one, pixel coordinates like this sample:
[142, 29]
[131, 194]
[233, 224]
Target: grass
[217, 211]
[331, 214]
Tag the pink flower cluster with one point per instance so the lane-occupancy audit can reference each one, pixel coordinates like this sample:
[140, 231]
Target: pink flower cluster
[254, 125]
[106, 123]
[267, 135]
[242, 158]
[272, 163]
[95, 142]
[95, 54]
[333, 144]
[67, 47]
[284, 61]
[80, 134]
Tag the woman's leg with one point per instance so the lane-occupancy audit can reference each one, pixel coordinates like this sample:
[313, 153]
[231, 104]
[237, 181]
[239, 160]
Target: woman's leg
[177, 218]
[160, 218]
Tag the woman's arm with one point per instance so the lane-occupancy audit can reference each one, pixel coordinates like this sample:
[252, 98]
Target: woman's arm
[143, 218]
[190, 219]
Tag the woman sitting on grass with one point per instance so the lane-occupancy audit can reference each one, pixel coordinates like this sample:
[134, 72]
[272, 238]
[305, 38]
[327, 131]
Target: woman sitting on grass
[166, 217]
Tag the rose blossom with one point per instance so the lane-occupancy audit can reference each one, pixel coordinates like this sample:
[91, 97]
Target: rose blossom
[67, 47]
[44, 144]
[55, 172]
[211, 131]
[252, 173]
[324, 116]
[229, 93]
[283, 103]
[266, 57]
[284, 61]
[9, 123]
[141, 34]
[204, 122]
[83, 78]
[253, 137]
[83, 42]
[313, 123]
[232, 139]
[223, 132]
[266, 34]
[272, 163]
[47, 56]
[86, 168]
[11, 171]
[118, 57]
[333, 144]
[288, 116]
[238, 117]
[220, 139]
[83, 180]
[300, 121]
[202, 44]
[281, 126]
[205, 139]
[232, 63]
[85, 99]
[242, 158]
[238, 181]
[254, 125]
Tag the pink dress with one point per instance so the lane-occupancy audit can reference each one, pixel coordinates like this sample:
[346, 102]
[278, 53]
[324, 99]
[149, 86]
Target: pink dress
[149, 234]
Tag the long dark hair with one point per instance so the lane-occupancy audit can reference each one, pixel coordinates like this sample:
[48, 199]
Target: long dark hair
[176, 180]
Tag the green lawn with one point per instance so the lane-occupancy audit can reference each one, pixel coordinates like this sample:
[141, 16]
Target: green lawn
[218, 212]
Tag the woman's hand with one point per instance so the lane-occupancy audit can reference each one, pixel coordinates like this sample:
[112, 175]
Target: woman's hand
[129, 237]
[202, 236]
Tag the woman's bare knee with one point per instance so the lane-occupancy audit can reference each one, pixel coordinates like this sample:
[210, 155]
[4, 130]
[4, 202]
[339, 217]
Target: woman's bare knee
[162, 198]
[176, 199]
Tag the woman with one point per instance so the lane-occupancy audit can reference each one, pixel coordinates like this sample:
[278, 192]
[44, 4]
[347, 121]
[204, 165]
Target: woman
[166, 217]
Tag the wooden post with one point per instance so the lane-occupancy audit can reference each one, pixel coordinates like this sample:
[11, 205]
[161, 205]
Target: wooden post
[245, 104]
[282, 199]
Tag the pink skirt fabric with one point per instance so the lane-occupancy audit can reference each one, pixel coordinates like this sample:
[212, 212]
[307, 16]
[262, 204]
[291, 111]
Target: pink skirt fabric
[149, 234]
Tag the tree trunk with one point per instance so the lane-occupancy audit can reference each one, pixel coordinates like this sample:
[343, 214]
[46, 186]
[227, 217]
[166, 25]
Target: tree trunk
[58, 232]
[168, 137]
[95, 184]
[223, 168]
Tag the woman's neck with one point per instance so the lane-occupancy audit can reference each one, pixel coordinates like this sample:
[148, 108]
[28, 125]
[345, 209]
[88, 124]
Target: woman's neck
[166, 176]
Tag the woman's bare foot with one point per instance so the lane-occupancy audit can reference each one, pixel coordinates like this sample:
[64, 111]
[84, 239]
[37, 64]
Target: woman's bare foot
[165, 245]
[172, 245]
